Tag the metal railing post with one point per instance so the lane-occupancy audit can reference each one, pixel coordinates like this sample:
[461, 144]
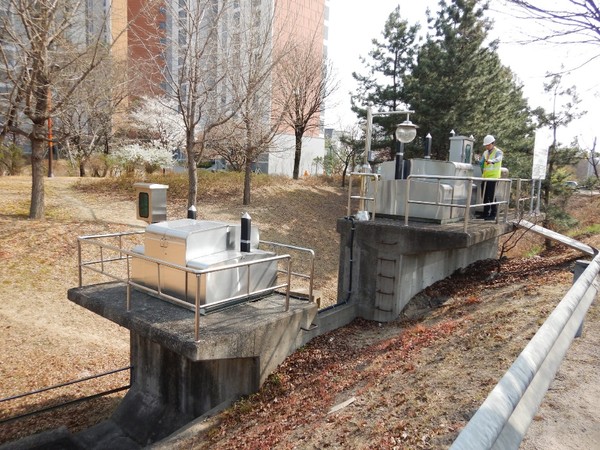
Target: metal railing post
[468, 208]
[407, 200]
[79, 260]
[289, 280]
[197, 309]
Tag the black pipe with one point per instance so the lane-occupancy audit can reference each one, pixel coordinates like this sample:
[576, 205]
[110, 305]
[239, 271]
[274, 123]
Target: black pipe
[246, 231]
[192, 213]
[351, 218]
[399, 161]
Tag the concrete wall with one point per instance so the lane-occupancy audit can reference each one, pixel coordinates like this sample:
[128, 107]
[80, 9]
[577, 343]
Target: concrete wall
[169, 390]
[388, 263]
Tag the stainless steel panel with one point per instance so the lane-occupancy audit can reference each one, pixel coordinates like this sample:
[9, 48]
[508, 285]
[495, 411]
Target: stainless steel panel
[391, 198]
[391, 194]
[227, 283]
[201, 245]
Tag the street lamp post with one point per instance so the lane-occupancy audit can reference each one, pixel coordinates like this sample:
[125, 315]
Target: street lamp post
[405, 133]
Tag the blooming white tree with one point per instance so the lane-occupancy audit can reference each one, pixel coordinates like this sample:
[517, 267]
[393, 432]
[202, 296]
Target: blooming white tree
[148, 157]
[159, 119]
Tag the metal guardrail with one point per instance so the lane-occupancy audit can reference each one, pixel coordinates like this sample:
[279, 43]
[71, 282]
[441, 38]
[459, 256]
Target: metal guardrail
[511, 190]
[502, 420]
[111, 255]
[503, 186]
[65, 403]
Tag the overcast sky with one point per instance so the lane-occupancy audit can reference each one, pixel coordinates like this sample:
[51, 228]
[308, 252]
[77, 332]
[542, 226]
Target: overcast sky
[354, 23]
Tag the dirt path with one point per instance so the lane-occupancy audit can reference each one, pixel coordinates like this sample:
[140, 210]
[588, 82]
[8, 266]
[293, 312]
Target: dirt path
[89, 207]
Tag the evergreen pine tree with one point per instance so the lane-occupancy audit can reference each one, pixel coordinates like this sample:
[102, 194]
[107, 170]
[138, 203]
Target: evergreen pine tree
[460, 84]
[389, 62]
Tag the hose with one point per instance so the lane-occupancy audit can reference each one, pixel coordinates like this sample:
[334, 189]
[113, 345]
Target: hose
[349, 293]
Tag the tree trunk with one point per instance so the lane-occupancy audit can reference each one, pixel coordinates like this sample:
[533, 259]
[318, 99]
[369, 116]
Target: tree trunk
[297, 155]
[190, 149]
[36, 209]
[247, 176]
[81, 169]
[546, 222]
[192, 180]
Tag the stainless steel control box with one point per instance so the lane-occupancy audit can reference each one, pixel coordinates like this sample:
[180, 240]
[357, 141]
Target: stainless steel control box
[151, 202]
[201, 245]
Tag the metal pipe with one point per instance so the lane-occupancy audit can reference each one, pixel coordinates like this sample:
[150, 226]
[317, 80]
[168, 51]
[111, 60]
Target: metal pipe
[532, 194]
[79, 259]
[399, 173]
[102, 259]
[368, 134]
[246, 233]
[67, 383]
[468, 210]
[70, 402]
[248, 280]
[407, 201]
[197, 311]
[287, 291]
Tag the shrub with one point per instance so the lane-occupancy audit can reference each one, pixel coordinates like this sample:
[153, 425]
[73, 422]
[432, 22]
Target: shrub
[11, 159]
[591, 183]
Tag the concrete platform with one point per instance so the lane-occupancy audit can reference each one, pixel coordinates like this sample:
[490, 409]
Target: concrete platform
[237, 332]
[175, 378]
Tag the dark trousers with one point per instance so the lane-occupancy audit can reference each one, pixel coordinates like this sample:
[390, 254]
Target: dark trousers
[489, 191]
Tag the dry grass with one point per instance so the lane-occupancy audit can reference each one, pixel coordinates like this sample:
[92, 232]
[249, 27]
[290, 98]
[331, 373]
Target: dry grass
[414, 380]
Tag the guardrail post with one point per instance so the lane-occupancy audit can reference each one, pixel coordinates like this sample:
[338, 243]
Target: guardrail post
[579, 268]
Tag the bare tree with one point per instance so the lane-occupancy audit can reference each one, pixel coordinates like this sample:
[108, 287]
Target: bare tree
[189, 62]
[252, 81]
[308, 81]
[565, 109]
[567, 21]
[87, 121]
[46, 45]
[348, 150]
[594, 161]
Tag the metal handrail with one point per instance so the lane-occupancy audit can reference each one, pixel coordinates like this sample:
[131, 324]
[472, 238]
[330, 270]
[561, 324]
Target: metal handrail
[363, 197]
[469, 200]
[126, 255]
[66, 403]
[311, 254]
[519, 199]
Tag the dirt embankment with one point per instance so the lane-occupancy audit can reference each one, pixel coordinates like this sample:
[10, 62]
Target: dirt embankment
[412, 383]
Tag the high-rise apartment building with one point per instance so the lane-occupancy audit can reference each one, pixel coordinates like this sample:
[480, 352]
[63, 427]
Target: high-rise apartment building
[167, 39]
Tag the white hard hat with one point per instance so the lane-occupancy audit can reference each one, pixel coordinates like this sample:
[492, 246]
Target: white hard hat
[489, 139]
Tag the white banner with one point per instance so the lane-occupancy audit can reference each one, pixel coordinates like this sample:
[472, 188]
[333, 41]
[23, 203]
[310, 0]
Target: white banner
[543, 140]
